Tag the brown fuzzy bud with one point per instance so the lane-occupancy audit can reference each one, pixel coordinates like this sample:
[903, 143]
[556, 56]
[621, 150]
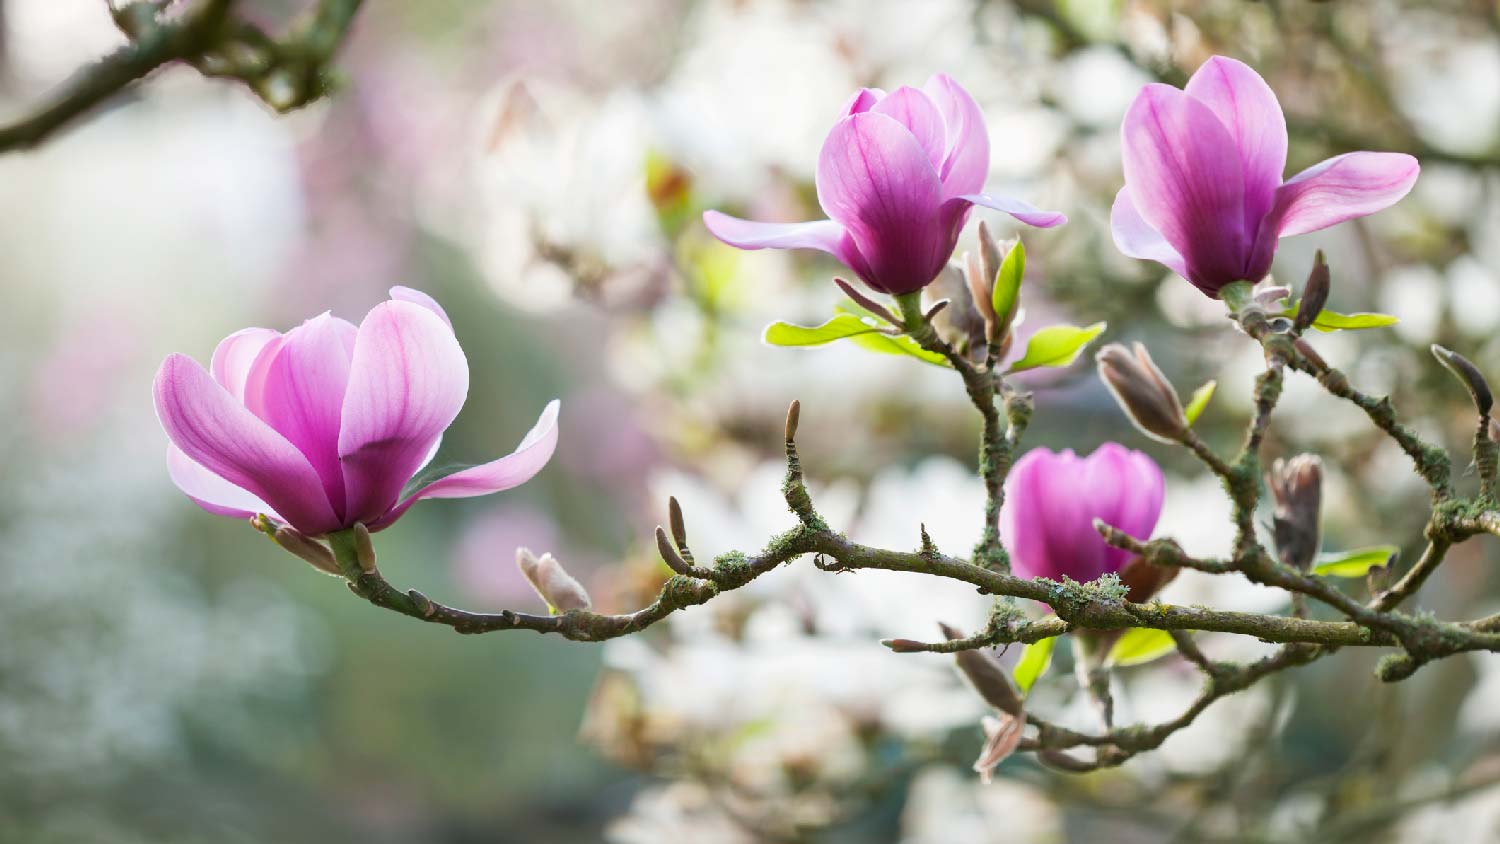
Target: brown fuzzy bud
[558, 588]
[905, 646]
[364, 548]
[981, 289]
[793, 417]
[1142, 392]
[988, 677]
[1001, 737]
[1314, 294]
[669, 554]
[1143, 580]
[960, 321]
[679, 525]
[314, 552]
[1465, 371]
[1297, 490]
[991, 256]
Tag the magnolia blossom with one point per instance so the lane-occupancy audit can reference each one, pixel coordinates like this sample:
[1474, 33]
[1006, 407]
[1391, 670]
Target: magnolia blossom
[324, 426]
[1203, 188]
[897, 176]
[1052, 499]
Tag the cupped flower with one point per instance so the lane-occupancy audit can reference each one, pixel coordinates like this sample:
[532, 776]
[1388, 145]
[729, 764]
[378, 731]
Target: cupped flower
[1203, 188]
[1052, 500]
[897, 177]
[324, 426]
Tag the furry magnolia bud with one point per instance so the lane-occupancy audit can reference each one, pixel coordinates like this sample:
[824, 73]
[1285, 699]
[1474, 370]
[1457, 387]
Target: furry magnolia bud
[1143, 580]
[550, 580]
[987, 676]
[314, 552]
[1314, 294]
[1464, 370]
[1142, 391]
[1297, 489]
[960, 322]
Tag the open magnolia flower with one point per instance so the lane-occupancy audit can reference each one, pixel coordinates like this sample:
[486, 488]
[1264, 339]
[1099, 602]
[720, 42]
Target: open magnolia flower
[897, 176]
[324, 426]
[1203, 192]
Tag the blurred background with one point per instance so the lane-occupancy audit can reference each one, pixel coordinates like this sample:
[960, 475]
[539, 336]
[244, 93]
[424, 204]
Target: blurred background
[170, 676]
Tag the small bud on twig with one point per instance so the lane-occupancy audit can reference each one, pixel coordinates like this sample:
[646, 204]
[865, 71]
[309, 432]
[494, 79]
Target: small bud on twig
[1465, 371]
[1001, 737]
[674, 518]
[423, 604]
[1314, 294]
[905, 646]
[1297, 489]
[558, 588]
[1143, 580]
[987, 676]
[314, 552]
[669, 555]
[980, 289]
[364, 548]
[793, 416]
[1142, 392]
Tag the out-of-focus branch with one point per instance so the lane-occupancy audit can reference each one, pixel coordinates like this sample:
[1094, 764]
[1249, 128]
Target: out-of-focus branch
[286, 73]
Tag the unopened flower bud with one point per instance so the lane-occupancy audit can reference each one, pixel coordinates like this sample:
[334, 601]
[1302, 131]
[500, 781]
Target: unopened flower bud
[1465, 371]
[980, 289]
[987, 676]
[1314, 294]
[960, 322]
[1297, 490]
[558, 588]
[669, 555]
[1001, 737]
[1143, 580]
[991, 256]
[312, 551]
[364, 548]
[1142, 391]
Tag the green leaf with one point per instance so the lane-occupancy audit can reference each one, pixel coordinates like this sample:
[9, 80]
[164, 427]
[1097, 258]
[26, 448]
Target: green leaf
[1140, 645]
[1327, 320]
[898, 345]
[1056, 345]
[1007, 281]
[1200, 399]
[1035, 661]
[842, 325]
[1354, 563]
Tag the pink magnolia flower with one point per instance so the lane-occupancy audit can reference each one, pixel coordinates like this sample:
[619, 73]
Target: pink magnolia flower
[1052, 499]
[325, 425]
[897, 176]
[1203, 192]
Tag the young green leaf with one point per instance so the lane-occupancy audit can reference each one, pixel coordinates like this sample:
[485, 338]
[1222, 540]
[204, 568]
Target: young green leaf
[1056, 345]
[1200, 399]
[841, 326]
[1354, 563]
[898, 345]
[1007, 281]
[1328, 320]
[1035, 661]
[1140, 645]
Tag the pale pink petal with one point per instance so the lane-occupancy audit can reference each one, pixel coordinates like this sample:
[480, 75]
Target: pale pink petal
[912, 109]
[823, 235]
[1352, 185]
[514, 469]
[212, 492]
[234, 356]
[966, 163]
[215, 430]
[410, 294]
[1135, 237]
[298, 389]
[875, 179]
[1023, 211]
[407, 382]
[1248, 108]
[1184, 174]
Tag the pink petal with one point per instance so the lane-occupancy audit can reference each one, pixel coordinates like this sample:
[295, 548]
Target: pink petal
[235, 355]
[823, 235]
[863, 100]
[1248, 108]
[912, 109]
[966, 164]
[1183, 171]
[298, 389]
[212, 492]
[1135, 237]
[876, 180]
[1022, 516]
[1126, 489]
[1352, 185]
[514, 469]
[1023, 211]
[215, 430]
[417, 297]
[407, 382]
